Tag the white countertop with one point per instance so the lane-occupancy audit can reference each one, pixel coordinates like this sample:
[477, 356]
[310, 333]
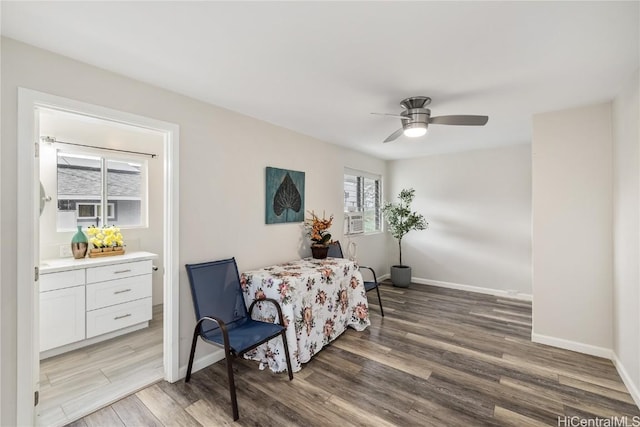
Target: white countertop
[62, 264]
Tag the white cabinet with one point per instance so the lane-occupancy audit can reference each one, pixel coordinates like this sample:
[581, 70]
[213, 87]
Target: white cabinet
[104, 294]
[88, 301]
[61, 280]
[118, 271]
[62, 317]
[118, 316]
[118, 296]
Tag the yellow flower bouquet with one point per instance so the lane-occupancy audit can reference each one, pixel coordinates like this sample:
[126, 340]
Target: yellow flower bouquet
[105, 240]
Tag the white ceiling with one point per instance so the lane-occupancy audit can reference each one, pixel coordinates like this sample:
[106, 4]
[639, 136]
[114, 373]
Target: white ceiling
[320, 68]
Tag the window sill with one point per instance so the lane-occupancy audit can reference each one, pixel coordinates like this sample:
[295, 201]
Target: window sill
[121, 227]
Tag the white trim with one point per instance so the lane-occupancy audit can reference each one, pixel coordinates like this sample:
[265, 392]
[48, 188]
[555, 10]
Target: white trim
[626, 379]
[171, 253]
[27, 246]
[471, 288]
[593, 350]
[1, 330]
[80, 197]
[203, 362]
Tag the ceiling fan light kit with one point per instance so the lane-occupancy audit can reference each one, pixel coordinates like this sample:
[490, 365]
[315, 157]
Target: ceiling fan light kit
[416, 118]
[414, 130]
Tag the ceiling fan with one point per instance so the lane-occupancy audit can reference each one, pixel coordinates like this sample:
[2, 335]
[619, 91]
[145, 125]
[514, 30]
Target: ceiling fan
[416, 118]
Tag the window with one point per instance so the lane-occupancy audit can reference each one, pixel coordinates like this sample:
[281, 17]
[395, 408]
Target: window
[363, 193]
[83, 179]
[94, 210]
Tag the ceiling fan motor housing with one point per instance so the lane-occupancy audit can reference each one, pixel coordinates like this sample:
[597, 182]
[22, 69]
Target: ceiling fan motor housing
[415, 102]
[416, 117]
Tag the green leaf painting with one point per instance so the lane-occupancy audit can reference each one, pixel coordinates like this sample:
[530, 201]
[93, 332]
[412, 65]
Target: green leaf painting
[284, 196]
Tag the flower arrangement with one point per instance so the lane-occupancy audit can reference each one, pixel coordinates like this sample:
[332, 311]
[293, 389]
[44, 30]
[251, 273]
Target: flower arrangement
[105, 237]
[317, 229]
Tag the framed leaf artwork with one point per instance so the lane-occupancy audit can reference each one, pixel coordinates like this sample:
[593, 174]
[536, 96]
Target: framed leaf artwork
[285, 196]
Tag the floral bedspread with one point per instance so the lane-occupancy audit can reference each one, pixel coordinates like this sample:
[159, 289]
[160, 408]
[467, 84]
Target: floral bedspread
[319, 299]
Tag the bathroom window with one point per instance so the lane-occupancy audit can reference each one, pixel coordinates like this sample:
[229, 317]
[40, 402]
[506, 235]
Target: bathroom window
[86, 183]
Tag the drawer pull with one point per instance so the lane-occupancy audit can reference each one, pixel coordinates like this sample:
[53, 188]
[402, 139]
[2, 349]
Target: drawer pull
[122, 317]
[122, 291]
[122, 271]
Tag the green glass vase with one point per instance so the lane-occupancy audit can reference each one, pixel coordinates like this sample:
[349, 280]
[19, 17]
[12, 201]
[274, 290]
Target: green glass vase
[79, 244]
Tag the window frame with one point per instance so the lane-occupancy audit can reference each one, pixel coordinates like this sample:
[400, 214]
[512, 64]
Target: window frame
[361, 176]
[111, 207]
[104, 158]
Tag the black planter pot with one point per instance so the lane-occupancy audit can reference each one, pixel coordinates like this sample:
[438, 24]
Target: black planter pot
[319, 251]
[401, 275]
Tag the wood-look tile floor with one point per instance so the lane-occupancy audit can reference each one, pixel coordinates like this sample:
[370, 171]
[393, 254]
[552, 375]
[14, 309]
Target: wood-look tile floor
[439, 357]
[84, 380]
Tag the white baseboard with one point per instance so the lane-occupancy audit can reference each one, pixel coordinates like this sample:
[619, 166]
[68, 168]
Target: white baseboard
[592, 350]
[202, 362]
[471, 288]
[626, 379]
[383, 277]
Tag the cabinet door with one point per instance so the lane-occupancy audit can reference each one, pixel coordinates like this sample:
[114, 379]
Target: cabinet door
[62, 317]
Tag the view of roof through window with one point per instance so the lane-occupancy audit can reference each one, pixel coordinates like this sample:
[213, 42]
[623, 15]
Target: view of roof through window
[80, 179]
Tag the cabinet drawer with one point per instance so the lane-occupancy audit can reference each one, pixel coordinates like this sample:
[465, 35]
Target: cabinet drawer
[61, 280]
[62, 317]
[118, 316]
[118, 271]
[105, 294]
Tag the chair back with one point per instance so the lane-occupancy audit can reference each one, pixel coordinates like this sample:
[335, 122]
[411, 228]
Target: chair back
[335, 250]
[216, 291]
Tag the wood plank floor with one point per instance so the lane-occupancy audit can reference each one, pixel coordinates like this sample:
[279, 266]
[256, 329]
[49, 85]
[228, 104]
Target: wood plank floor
[83, 380]
[440, 357]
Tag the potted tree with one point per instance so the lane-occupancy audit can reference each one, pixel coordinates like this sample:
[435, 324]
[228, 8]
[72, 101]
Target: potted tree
[401, 221]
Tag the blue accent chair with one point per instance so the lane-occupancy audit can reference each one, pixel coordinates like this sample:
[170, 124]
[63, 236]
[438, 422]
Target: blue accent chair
[223, 318]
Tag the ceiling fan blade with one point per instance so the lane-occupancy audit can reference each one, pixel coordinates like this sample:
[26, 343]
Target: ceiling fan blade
[399, 116]
[394, 135]
[460, 120]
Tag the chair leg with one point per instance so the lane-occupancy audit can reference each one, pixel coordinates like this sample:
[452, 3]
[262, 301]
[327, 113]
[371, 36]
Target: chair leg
[380, 301]
[193, 352]
[286, 353]
[232, 384]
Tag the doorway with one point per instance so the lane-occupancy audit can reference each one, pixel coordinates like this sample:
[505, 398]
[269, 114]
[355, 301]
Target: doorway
[30, 248]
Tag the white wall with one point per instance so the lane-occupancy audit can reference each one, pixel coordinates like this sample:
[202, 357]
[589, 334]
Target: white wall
[572, 229]
[626, 233]
[478, 205]
[223, 156]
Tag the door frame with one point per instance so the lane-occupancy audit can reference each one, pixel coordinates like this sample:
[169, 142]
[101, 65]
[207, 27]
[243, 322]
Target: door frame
[28, 236]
